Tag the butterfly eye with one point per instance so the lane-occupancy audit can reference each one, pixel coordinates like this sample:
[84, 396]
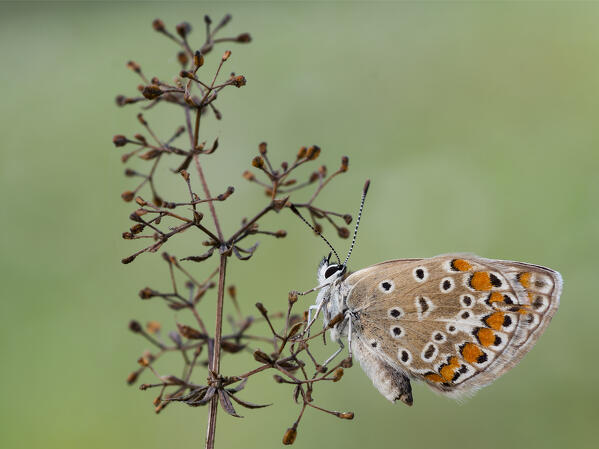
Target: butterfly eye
[331, 271]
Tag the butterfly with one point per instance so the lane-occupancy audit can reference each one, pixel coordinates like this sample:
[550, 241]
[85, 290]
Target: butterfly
[456, 322]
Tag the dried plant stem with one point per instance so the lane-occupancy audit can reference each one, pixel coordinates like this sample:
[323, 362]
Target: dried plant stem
[211, 434]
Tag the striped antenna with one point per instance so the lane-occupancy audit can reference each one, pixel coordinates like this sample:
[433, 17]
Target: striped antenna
[364, 192]
[296, 212]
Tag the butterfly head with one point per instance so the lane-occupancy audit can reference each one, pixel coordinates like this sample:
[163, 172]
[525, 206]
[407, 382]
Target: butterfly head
[329, 272]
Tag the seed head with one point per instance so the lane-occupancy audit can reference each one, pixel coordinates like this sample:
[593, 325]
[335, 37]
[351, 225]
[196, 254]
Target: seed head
[151, 92]
[119, 140]
[158, 25]
[127, 195]
[183, 29]
[135, 327]
[258, 162]
[289, 436]
[244, 38]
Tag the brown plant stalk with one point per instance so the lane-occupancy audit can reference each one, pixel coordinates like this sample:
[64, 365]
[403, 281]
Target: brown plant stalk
[159, 220]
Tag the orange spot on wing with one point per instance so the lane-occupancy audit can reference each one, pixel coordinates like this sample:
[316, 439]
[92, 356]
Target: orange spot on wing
[524, 279]
[523, 309]
[433, 377]
[495, 320]
[481, 281]
[495, 297]
[460, 265]
[486, 337]
[447, 371]
[471, 352]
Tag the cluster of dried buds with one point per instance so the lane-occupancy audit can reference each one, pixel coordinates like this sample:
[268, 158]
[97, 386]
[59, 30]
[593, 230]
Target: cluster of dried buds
[158, 220]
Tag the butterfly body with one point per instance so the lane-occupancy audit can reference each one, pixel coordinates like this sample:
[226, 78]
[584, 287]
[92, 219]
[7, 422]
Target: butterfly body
[456, 321]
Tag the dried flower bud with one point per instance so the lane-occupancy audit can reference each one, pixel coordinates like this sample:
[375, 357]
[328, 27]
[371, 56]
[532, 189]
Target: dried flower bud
[198, 59]
[317, 228]
[119, 140]
[139, 200]
[151, 92]
[127, 195]
[141, 119]
[322, 170]
[343, 233]
[284, 165]
[143, 361]
[182, 58]
[345, 415]
[183, 29]
[185, 174]
[239, 80]
[248, 175]
[130, 172]
[153, 327]
[226, 55]
[261, 308]
[258, 162]
[135, 327]
[281, 233]
[149, 155]
[289, 436]
[262, 148]
[313, 152]
[157, 201]
[347, 218]
[186, 74]
[132, 65]
[157, 400]
[338, 374]
[278, 379]
[136, 229]
[262, 357]
[129, 259]
[314, 177]
[146, 293]
[344, 164]
[132, 377]
[120, 100]
[347, 362]
[127, 235]
[189, 332]
[244, 38]
[302, 152]
[295, 329]
[158, 25]
[227, 194]
[225, 20]
[293, 294]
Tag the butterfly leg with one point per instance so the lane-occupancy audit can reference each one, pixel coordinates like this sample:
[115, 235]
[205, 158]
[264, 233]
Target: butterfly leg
[349, 334]
[335, 354]
[312, 319]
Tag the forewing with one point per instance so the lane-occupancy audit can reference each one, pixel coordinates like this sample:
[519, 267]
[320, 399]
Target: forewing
[455, 321]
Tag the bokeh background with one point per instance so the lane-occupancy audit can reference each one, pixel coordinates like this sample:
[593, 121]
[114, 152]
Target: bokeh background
[477, 123]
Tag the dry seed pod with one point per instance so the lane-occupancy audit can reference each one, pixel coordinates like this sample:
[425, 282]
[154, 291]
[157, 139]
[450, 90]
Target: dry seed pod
[289, 436]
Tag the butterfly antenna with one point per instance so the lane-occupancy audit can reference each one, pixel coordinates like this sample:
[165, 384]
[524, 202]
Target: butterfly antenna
[364, 192]
[296, 212]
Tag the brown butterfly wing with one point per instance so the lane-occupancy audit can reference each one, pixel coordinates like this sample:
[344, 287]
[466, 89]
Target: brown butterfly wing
[455, 321]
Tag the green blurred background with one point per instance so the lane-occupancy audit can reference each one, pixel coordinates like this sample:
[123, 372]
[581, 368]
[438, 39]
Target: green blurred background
[477, 124]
